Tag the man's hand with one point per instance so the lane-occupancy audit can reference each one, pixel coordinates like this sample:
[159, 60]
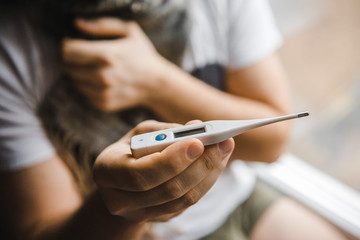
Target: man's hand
[116, 73]
[161, 185]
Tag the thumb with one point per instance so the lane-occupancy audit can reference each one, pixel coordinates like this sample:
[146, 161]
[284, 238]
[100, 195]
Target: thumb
[103, 27]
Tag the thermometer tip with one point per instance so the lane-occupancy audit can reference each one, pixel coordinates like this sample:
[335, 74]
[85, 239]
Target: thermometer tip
[304, 114]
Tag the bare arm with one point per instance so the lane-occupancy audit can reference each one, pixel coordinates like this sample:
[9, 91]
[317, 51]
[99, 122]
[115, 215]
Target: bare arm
[130, 72]
[256, 92]
[42, 203]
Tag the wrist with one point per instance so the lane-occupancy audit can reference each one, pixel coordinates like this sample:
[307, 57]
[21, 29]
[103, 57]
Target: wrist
[160, 83]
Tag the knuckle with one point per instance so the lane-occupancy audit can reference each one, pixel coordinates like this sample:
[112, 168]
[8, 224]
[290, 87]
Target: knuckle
[208, 161]
[191, 198]
[105, 78]
[107, 58]
[138, 181]
[222, 164]
[105, 100]
[222, 159]
[173, 189]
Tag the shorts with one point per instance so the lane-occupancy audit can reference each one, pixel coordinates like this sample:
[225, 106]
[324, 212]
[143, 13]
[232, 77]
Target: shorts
[241, 222]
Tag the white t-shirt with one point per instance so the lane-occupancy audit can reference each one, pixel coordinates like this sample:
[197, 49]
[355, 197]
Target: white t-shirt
[225, 34]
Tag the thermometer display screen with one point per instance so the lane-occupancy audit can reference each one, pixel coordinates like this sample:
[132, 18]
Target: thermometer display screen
[189, 132]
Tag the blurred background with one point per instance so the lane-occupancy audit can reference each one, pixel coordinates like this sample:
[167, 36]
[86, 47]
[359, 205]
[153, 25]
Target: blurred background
[321, 54]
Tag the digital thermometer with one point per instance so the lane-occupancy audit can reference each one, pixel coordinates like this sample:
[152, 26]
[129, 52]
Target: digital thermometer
[210, 132]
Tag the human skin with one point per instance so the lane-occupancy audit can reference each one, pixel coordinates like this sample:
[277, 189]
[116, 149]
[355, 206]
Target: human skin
[110, 75]
[127, 71]
[42, 202]
[119, 66]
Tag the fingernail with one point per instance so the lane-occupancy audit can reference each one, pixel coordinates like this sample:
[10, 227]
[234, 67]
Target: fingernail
[194, 151]
[226, 146]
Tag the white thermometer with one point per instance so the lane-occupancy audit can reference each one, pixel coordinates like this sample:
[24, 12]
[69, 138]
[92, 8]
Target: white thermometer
[210, 132]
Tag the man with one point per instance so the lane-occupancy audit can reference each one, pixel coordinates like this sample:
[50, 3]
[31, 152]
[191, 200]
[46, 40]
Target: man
[114, 66]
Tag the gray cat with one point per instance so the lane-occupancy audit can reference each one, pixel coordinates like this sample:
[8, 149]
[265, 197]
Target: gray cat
[78, 131]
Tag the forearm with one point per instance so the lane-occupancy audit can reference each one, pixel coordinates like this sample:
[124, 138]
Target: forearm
[42, 202]
[141, 76]
[183, 97]
[91, 221]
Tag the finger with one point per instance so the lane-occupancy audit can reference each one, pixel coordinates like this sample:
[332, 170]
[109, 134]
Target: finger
[193, 122]
[121, 150]
[170, 162]
[103, 27]
[155, 169]
[86, 76]
[156, 205]
[96, 97]
[84, 52]
[120, 202]
[150, 171]
[147, 151]
[150, 126]
[209, 165]
[182, 203]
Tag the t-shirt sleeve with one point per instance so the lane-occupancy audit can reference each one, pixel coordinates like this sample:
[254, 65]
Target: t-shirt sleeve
[23, 83]
[253, 34]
